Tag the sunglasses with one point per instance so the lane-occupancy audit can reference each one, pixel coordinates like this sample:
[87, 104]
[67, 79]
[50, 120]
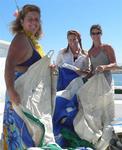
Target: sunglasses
[95, 33]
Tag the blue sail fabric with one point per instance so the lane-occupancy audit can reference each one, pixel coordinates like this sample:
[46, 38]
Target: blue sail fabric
[63, 118]
[65, 77]
[64, 113]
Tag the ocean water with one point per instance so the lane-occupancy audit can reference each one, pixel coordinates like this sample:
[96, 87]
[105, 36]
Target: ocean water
[117, 78]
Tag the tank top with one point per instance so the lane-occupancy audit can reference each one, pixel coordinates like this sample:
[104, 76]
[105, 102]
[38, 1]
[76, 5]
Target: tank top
[101, 59]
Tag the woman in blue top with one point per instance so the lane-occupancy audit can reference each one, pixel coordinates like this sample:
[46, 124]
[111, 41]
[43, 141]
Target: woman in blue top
[21, 55]
[21, 52]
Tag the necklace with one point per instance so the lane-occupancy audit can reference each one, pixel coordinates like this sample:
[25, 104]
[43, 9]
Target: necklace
[35, 43]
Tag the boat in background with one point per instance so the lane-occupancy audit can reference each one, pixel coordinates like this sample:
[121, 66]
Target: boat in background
[4, 45]
[3, 53]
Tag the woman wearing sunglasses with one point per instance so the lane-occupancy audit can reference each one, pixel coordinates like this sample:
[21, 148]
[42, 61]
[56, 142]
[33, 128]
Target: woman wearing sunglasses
[102, 56]
[98, 93]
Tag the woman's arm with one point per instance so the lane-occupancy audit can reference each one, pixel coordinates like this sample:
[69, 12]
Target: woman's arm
[15, 55]
[112, 59]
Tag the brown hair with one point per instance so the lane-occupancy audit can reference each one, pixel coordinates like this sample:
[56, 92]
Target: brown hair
[95, 26]
[77, 34]
[16, 26]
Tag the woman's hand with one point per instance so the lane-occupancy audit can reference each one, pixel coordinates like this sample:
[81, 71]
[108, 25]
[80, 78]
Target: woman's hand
[100, 68]
[54, 69]
[79, 72]
[14, 97]
[82, 72]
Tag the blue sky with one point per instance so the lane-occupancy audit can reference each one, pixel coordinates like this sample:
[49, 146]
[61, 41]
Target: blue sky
[59, 16]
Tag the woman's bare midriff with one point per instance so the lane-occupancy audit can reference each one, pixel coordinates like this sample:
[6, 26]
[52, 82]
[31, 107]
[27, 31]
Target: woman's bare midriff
[21, 69]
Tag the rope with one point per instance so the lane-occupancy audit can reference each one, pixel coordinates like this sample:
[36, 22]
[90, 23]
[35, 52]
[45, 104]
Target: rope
[16, 5]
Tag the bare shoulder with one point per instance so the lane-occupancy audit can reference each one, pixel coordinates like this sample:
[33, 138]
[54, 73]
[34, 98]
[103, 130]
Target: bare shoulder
[107, 47]
[18, 48]
[110, 52]
[19, 42]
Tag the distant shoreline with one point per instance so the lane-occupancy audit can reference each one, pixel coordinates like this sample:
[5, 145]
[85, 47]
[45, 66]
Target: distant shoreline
[117, 72]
